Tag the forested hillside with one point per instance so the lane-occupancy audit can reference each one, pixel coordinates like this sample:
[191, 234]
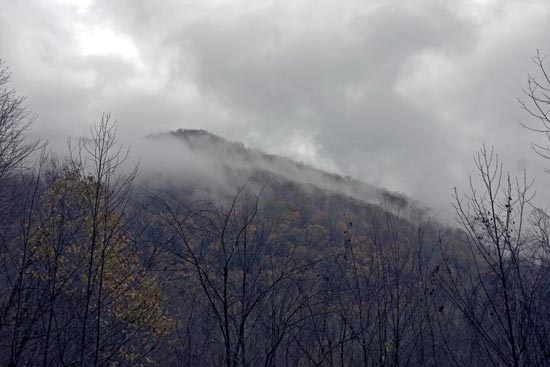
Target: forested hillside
[278, 264]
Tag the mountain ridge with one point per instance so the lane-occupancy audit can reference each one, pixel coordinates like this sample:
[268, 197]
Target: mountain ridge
[236, 160]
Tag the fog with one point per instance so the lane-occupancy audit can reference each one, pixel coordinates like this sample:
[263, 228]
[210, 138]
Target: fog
[396, 94]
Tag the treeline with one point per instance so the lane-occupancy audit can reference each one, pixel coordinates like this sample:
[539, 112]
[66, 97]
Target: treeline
[97, 271]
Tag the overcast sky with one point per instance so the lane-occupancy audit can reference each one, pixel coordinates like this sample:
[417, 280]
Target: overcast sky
[396, 93]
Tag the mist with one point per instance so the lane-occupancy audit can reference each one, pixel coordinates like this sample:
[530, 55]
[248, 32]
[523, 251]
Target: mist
[382, 91]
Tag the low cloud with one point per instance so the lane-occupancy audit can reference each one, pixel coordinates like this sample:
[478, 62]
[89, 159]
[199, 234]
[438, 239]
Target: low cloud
[396, 94]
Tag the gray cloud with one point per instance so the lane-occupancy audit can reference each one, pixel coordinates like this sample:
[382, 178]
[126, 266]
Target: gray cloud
[398, 94]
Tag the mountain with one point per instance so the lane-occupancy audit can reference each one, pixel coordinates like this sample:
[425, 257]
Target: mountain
[231, 164]
[221, 255]
[297, 271]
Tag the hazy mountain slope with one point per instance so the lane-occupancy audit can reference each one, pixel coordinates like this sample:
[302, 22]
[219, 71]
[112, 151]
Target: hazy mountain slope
[213, 164]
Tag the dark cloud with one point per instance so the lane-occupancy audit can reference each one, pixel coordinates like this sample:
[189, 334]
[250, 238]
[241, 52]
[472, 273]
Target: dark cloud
[398, 94]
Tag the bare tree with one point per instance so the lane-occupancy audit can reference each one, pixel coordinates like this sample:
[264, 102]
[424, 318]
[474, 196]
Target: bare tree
[14, 122]
[237, 272]
[537, 104]
[497, 286]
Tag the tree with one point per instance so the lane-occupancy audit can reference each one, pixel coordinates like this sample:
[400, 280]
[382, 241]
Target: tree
[76, 286]
[121, 298]
[14, 122]
[18, 199]
[234, 271]
[500, 286]
[538, 102]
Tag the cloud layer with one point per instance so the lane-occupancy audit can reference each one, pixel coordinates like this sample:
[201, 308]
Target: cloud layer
[398, 94]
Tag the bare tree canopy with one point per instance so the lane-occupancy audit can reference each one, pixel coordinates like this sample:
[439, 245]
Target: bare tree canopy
[537, 104]
[14, 121]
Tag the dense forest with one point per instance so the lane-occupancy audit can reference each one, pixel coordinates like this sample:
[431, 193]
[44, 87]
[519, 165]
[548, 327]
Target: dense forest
[101, 267]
